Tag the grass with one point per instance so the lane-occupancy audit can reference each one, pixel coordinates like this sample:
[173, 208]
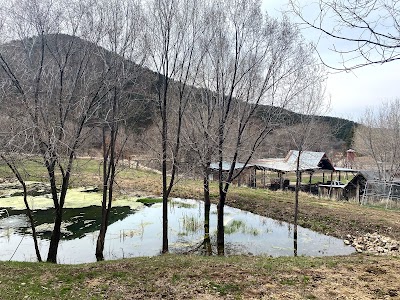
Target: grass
[180, 204]
[150, 200]
[191, 224]
[194, 277]
[240, 226]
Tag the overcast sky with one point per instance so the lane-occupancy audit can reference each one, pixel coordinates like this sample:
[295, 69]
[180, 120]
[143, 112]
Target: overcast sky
[350, 93]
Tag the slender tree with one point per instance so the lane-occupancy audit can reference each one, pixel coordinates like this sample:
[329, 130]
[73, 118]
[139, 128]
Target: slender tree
[252, 59]
[58, 83]
[309, 104]
[378, 136]
[122, 22]
[11, 163]
[200, 138]
[173, 28]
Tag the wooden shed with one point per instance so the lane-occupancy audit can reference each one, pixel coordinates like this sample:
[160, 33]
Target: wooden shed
[246, 177]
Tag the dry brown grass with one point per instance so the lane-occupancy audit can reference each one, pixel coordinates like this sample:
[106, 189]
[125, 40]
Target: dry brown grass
[194, 277]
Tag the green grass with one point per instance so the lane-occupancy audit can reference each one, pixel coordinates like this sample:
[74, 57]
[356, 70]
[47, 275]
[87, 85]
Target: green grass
[182, 276]
[150, 200]
[179, 204]
[191, 224]
[225, 288]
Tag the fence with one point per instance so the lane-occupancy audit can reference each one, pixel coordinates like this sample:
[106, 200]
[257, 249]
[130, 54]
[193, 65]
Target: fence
[381, 193]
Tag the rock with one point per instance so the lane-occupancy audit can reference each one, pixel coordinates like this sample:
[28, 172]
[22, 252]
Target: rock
[374, 243]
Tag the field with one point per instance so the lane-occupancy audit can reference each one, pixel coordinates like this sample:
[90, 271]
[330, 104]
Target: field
[359, 276]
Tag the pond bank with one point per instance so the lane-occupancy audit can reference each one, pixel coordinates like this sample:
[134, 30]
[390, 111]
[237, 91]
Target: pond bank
[195, 277]
[331, 217]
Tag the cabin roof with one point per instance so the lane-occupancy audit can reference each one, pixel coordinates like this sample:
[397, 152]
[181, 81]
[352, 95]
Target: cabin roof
[309, 160]
[226, 166]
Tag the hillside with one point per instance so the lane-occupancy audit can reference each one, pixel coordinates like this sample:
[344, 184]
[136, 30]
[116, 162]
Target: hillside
[141, 90]
[341, 129]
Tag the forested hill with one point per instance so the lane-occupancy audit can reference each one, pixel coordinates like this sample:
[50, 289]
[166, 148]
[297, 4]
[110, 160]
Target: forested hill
[143, 91]
[340, 128]
[343, 129]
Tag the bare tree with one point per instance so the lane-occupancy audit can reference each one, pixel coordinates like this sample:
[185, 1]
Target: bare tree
[367, 32]
[121, 20]
[58, 82]
[173, 28]
[11, 163]
[200, 138]
[251, 59]
[309, 104]
[378, 136]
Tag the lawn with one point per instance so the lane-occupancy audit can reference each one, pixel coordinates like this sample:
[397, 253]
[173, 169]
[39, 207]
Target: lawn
[196, 277]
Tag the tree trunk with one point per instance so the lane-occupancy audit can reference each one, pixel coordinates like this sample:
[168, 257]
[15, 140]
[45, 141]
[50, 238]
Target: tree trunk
[32, 223]
[220, 225]
[296, 202]
[164, 138]
[55, 237]
[28, 210]
[165, 196]
[102, 235]
[207, 206]
[109, 169]
[295, 240]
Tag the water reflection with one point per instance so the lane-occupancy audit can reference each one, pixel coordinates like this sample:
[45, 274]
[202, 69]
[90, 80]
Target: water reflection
[138, 233]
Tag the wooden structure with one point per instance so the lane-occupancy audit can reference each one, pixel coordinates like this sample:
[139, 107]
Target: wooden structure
[247, 175]
[310, 162]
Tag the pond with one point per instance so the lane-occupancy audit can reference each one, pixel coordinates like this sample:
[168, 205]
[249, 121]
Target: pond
[136, 230]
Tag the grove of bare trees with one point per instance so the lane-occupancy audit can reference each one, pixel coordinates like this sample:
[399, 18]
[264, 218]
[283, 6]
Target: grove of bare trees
[378, 136]
[71, 70]
[58, 81]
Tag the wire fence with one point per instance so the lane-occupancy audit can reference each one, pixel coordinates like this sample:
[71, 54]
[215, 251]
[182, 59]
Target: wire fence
[380, 193]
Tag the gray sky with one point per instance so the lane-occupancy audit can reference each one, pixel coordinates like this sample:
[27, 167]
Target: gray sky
[350, 93]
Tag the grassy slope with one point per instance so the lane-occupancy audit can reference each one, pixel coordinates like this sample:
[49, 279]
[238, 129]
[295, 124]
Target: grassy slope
[193, 277]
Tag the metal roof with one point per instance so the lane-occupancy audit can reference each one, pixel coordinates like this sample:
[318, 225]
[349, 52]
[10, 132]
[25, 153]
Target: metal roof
[338, 169]
[309, 160]
[226, 166]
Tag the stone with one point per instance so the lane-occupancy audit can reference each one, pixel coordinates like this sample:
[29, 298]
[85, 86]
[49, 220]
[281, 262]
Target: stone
[374, 243]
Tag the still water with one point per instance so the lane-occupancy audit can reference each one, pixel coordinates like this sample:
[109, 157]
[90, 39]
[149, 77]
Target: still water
[138, 233]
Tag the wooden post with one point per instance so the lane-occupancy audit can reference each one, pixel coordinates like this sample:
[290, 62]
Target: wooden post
[358, 191]
[264, 178]
[255, 177]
